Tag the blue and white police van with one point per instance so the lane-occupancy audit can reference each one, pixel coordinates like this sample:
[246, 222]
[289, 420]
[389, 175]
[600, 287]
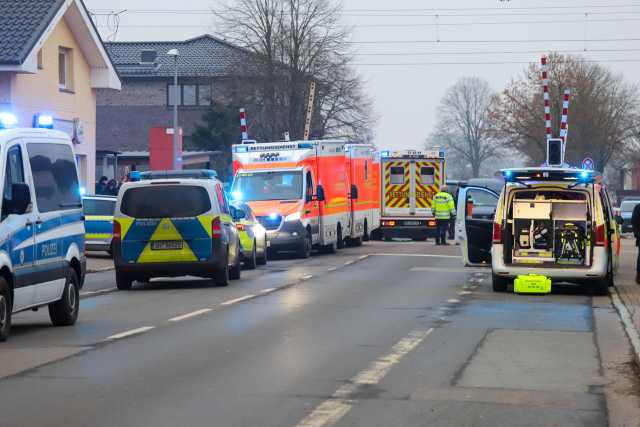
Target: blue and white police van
[42, 260]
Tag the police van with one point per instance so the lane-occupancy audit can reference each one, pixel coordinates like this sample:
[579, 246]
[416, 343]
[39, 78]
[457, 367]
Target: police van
[549, 221]
[174, 227]
[42, 260]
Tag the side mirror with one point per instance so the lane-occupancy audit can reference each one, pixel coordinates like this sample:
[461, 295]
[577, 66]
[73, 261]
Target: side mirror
[20, 200]
[619, 220]
[320, 193]
[354, 192]
[309, 196]
[238, 214]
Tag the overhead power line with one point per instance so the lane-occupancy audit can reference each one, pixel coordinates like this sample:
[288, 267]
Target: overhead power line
[495, 41]
[410, 64]
[494, 52]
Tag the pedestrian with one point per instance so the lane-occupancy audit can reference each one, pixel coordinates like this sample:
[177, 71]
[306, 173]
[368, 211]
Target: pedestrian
[112, 188]
[444, 210]
[635, 223]
[101, 186]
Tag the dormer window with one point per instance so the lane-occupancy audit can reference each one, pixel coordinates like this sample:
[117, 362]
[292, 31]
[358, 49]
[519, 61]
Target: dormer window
[148, 56]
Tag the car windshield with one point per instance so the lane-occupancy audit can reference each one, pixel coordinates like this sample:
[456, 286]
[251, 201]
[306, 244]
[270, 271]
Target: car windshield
[98, 207]
[628, 205]
[268, 186]
[165, 201]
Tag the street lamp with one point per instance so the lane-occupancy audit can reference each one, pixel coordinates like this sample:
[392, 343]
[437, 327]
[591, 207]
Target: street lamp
[176, 95]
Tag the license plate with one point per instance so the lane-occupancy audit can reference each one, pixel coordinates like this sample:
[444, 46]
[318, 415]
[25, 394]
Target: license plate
[165, 245]
[532, 284]
[412, 223]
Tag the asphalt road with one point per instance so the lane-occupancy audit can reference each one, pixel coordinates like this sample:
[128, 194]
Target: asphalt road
[389, 334]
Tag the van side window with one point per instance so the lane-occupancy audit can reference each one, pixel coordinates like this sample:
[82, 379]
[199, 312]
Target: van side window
[13, 175]
[309, 183]
[397, 175]
[222, 201]
[366, 170]
[54, 176]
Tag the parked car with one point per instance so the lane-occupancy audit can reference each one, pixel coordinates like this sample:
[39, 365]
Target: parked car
[98, 222]
[552, 222]
[174, 227]
[253, 236]
[626, 209]
[42, 260]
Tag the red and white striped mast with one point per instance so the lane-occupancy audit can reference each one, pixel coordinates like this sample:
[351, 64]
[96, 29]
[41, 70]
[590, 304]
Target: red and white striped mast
[547, 98]
[243, 125]
[565, 116]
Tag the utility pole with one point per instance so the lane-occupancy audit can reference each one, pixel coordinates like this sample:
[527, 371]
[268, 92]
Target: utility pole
[176, 99]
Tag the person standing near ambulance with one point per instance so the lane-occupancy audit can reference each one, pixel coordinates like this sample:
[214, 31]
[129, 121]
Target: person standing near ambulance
[443, 209]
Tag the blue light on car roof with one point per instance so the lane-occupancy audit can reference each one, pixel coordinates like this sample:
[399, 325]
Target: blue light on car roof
[384, 154]
[8, 120]
[241, 149]
[273, 216]
[236, 195]
[43, 121]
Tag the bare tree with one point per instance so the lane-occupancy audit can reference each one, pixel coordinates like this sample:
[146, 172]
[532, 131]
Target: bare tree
[464, 123]
[600, 115]
[294, 42]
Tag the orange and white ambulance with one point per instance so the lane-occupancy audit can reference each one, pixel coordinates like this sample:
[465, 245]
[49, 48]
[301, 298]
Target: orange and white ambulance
[309, 193]
[410, 179]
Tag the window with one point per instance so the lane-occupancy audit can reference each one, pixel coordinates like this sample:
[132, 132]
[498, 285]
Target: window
[165, 201]
[13, 175]
[427, 175]
[309, 184]
[204, 95]
[269, 185]
[54, 176]
[40, 64]
[65, 68]
[98, 207]
[397, 175]
[189, 95]
[222, 201]
[366, 170]
[173, 95]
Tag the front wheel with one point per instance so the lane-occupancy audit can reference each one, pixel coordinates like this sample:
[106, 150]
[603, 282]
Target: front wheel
[65, 311]
[340, 243]
[305, 247]
[235, 270]
[499, 283]
[123, 282]
[251, 262]
[5, 310]
[221, 276]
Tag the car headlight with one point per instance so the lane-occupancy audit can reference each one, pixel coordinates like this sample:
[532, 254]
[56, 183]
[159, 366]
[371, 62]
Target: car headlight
[293, 217]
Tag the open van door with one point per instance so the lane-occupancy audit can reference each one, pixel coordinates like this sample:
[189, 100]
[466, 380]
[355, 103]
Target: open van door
[474, 224]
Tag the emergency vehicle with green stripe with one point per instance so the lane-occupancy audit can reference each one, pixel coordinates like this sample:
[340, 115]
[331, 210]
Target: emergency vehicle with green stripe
[170, 228]
[98, 222]
[410, 180]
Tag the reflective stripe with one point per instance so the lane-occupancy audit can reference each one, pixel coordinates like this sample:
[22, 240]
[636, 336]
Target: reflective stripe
[98, 236]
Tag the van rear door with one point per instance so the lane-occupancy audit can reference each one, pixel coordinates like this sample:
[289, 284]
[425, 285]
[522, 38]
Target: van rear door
[427, 176]
[398, 186]
[171, 224]
[474, 224]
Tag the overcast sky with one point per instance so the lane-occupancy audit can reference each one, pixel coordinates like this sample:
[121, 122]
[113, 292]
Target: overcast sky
[408, 78]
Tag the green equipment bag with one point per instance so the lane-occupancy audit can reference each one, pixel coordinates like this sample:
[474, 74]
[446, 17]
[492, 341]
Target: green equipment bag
[532, 284]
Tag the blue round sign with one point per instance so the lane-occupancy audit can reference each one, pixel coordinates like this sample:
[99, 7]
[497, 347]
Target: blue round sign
[588, 163]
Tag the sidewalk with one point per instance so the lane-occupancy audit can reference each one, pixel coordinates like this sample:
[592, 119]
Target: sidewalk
[626, 285]
[99, 261]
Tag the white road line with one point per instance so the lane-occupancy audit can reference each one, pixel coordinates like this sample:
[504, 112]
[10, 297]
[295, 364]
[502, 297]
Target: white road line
[268, 290]
[420, 255]
[100, 291]
[363, 257]
[453, 301]
[307, 277]
[332, 268]
[627, 321]
[237, 300]
[349, 263]
[190, 315]
[338, 405]
[464, 293]
[129, 333]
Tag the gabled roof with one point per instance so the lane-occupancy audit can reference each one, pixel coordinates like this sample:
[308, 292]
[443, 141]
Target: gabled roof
[25, 26]
[204, 56]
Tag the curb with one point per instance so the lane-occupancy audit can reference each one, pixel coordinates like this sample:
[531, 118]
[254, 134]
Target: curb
[99, 270]
[627, 321]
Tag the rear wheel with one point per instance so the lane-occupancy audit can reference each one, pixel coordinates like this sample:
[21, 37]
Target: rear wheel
[305, 247]
[340, 243]
[5, 310]
[235, 271]
[251, 262]
[65, 311]
[331, 248]
[221, 277]
[356, 242]
[123, 281]
[366, 237]
[262, 260]
[499, 283]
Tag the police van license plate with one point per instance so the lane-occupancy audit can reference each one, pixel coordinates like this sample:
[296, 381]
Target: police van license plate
[166, 245]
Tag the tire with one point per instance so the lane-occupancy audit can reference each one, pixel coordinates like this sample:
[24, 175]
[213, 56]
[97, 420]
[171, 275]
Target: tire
[366, 236]
[356, 242]
[123, 282]
[262, 260]
[236, 270]
[5, 310]
[330, 248]
[499, 283]
[340, 243]
[221, 277]
[251, 262]
[305, 248]
[65, 311]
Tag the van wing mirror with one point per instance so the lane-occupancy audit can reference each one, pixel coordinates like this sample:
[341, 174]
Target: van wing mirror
[354, 192]
[309, 196]
[20, 198]
[619, 219]
[320, 194]
[237, 214]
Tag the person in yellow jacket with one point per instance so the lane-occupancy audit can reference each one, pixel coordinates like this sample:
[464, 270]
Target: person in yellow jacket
[443, 209]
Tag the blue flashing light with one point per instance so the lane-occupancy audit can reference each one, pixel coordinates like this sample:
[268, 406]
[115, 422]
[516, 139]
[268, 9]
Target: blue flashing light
[236, 195]
[305, 145]
[241, 149]
[384, 154]
[442, 154]
[135, 176]
[585, 175]
[43, 121]
[8, 120]
[82, 191]
[273, 216]
[507, 174]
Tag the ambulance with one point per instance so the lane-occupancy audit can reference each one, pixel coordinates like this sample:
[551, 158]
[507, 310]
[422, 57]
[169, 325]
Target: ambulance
[307, 194]
[410, 179]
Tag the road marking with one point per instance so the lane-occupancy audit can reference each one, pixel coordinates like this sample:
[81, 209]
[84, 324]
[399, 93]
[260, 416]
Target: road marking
[268, 290]
[363, 257]
[190, 315]
[349, 263]
[129, 333]
[237, 300]
[100, 291]
[464, 293]
[453, 301]
[627, 320]
[420, 255]
[338, 405]
[307, 277]
[332, 268]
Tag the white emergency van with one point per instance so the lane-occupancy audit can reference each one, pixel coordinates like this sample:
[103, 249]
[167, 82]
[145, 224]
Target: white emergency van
[42, 260]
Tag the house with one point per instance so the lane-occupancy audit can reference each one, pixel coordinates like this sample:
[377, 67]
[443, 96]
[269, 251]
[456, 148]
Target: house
[52, 61]
[207, 70]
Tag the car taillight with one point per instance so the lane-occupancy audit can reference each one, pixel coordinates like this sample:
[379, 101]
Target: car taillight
[216, 227]
[240, 227]
[601, 238]
[497, 232]
[117, 232]
[469, 208]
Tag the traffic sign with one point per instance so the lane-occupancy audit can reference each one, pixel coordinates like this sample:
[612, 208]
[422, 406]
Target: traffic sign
[588, 163]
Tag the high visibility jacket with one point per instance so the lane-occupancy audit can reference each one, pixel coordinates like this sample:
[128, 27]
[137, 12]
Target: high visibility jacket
[443, 206]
